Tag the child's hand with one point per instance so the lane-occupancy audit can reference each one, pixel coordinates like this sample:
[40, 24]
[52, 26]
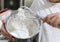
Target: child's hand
[3, 30]
[53, 19]
[6, 34]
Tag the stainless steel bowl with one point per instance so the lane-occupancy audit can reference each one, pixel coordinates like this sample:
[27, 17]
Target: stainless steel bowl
[30, 20]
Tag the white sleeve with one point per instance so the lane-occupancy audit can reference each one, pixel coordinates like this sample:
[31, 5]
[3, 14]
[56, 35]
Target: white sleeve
[47, 11]
[40, 7]
[35, 5]
[40, 4]
[43, 8]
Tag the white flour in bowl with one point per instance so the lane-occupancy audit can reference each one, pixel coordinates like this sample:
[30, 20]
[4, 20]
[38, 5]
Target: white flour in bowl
[21, 26]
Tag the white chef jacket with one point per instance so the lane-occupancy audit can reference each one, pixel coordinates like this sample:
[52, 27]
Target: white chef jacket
[43, 8]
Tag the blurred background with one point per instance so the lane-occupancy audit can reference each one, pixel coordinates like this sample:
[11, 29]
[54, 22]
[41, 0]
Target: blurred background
[14, 4]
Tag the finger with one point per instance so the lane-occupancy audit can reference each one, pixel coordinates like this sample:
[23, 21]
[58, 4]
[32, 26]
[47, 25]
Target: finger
[3, 30]
[48, 17]
[57, 23]
[45, 19]
[51, 16]
[6, 34]
[4, 21]
[52, 21]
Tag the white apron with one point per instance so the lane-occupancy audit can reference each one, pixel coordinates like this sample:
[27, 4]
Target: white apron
[43, 8]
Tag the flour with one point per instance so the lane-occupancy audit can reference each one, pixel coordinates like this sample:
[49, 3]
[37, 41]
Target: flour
[20, 30]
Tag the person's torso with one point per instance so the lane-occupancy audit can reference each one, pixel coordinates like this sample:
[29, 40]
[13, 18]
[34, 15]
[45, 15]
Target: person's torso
[49, 34]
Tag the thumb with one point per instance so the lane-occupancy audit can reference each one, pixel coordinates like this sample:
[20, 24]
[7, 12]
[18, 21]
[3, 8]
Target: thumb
[45, 19]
